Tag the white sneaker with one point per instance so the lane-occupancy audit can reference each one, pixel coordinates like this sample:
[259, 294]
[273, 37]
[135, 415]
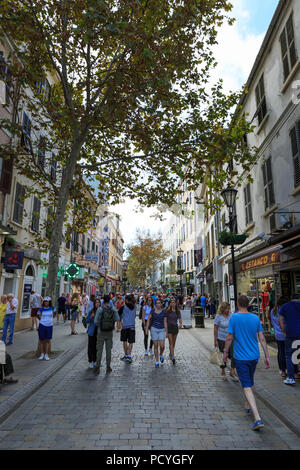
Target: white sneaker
[289, 382]
[151, 352]
[41, 357]
[94, 364]
[91, 365]
[46, 357]
[146, 352]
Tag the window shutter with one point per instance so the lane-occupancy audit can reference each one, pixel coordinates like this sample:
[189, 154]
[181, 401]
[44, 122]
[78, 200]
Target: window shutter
[6, 176]
[270, 182]
[35, 224]
[295, 142]
[19, 203]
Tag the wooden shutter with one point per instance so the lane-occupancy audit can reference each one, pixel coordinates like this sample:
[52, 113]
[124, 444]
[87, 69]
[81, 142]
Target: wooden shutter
[295, 143]
[19, 203]
[6, 175]
[35, 224]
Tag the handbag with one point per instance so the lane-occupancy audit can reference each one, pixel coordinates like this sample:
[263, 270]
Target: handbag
[216, 357]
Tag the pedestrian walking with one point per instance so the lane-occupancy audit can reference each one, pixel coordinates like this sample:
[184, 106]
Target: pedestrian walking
[92, 331]
[146, 310]
[10, 318]
[3, 306]
[61, 310]
[203, 301]
[207, 305]
[45, 331]
[279, 336]
[173, 317]
[68, 306]
[289, 321]
[105, 319]
[128, 313]
[74, 311]
[221, 324]
[212, 307]
[119, 303]
[157, 323]
[245, 329]
[35, 304]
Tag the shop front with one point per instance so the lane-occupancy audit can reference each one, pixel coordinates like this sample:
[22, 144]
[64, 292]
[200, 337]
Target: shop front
[258, 278]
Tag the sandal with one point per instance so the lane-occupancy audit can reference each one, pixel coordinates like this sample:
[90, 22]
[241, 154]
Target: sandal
[224, 378]
[74, 333]
[234, 378]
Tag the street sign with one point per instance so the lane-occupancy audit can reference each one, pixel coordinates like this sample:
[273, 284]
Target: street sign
[72, 270]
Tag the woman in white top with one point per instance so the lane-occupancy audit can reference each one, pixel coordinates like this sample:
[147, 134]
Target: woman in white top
[147, 309]
[45, 330]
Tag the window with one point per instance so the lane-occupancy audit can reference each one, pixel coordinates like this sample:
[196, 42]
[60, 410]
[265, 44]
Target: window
[88, 245]
[43, 88]
[188, 261]
[6, 171]
[268, 184]
[53, 167]
[192, 258]
[93, 247]
[26, 133]
[288, 48]
[261, 100]
[35, 222]
[295, 142]
[6, 77]
[248, 207]
[19, 203]
[41, 152]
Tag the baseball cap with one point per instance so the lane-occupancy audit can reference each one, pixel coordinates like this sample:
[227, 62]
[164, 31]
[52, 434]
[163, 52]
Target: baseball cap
[48, 299]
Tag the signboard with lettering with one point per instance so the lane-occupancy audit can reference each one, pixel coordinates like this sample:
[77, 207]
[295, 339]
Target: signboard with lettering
[13, 259]
[261, 261]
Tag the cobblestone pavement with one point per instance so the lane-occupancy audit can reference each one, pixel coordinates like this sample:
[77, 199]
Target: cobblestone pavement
[181, 407]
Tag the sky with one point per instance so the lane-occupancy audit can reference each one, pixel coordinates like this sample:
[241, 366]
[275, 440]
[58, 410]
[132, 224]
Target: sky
[236, 52]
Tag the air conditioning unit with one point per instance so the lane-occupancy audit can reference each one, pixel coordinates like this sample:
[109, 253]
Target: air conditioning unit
[217, 270]
[281, 221]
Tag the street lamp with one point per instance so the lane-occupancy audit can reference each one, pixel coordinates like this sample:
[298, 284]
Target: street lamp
[179, 267]
[229, 196]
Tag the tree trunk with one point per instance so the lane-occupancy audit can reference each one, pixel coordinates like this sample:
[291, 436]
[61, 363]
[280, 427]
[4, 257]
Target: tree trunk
[58, 223]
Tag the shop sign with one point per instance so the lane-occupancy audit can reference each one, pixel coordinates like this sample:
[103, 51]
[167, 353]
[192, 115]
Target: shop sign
[13, 259]
[260, 261]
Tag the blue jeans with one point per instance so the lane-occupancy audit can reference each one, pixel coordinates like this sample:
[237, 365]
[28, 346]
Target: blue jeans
[9, 321]
[291, 368]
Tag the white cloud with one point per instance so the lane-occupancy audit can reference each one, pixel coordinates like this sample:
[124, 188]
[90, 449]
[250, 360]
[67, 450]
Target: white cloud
[236, 50]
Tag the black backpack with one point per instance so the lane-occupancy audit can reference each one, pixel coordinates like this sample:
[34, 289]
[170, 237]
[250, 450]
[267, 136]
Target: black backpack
[141, 309]
[107, 322]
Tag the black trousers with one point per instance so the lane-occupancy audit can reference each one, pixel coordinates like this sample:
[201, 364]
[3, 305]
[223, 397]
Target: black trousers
[92, 347]
[146, 338]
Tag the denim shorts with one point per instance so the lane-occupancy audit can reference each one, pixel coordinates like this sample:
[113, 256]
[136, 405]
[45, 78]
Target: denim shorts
[245, 371]
[158, 334]
[45, 332]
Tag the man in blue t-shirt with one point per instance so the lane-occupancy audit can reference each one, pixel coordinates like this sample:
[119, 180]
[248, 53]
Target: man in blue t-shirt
[244, 328]
[289, 321]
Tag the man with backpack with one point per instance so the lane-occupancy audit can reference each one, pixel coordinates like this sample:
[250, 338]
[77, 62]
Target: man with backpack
[105, 319]
[289, 321]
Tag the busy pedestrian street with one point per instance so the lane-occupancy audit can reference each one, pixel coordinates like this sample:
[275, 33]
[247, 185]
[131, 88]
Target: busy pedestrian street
[137, 406]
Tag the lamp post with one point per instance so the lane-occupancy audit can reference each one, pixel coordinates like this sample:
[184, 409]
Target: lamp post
[229, 196]
[179, 267]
